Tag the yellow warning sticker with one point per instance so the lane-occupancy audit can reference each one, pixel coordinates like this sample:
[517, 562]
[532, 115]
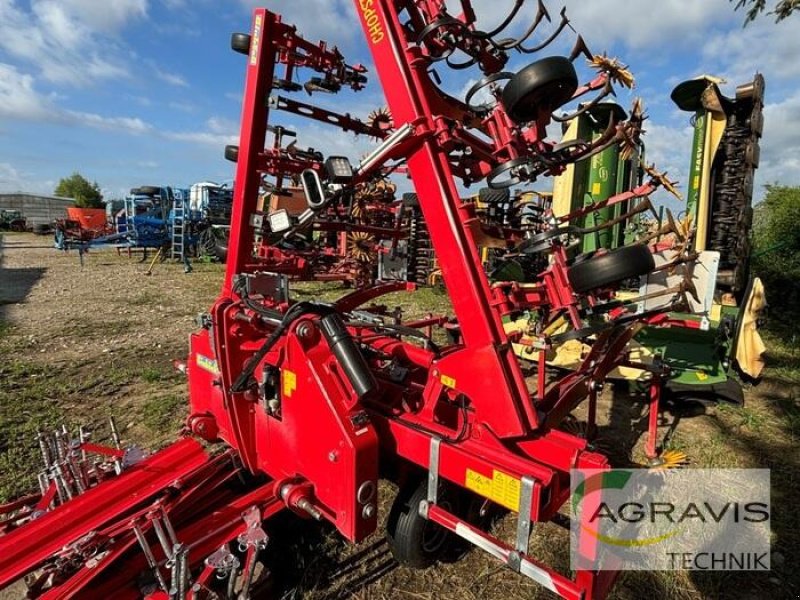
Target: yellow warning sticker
[289, 382]
[207, 364]
[448, 381]
[500, 488]
[701, 375]
[596, 188]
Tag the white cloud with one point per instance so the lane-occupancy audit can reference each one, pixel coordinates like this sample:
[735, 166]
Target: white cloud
[334, 21]
[131, 125]
[171, 78]
[69, 42]
[219, 133]
[632, 22]
[762, 46]
[670, 149]
[19, 99]
[780, 146]
[106, 15]
[14, 180]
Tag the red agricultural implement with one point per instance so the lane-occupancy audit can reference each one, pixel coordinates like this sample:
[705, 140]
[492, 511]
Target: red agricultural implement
[303, 406]
[329, 241]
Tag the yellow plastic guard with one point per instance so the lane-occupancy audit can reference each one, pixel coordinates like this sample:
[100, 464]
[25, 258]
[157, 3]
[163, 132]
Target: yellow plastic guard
[750, 347]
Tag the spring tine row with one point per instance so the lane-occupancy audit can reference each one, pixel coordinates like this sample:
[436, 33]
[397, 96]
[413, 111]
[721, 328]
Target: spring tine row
[67, 465]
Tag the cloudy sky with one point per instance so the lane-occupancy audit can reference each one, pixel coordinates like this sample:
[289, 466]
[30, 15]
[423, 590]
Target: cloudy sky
[140, 92]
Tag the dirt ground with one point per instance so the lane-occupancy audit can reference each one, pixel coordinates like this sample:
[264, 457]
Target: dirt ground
[80, 344]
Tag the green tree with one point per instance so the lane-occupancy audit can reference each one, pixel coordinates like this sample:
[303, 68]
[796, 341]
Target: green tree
[776, 255]
[86, 195]
[753, 8]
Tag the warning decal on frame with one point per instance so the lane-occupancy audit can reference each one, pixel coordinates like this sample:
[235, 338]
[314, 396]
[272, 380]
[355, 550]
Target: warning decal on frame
[500, 488]
[448, 381]
[289, 383]
[207, 364]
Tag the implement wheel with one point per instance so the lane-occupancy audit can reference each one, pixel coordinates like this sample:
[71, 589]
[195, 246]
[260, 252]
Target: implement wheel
[614, 266]
[545, 85]
[240, 42]
[415, 541]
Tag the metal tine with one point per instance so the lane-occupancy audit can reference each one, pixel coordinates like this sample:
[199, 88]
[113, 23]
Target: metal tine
[83, 437]
[168, 526]
[162, 536]
[506, 22]
[549, 40]
[148, 554]
[182, 554]
[541, 15]
[115, 433]
[608, 90]
[64, 482]
[247, 579]
[232, 577]
[117, 443]
[45, 450]
[60, 454]
[179, 572]
[75, 473]
[50, 440]
[580, 48]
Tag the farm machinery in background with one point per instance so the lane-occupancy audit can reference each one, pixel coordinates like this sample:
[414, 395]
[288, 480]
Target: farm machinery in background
[306, 240]
[176, 223]
[306, 404]
[713, 335]
[12, 220]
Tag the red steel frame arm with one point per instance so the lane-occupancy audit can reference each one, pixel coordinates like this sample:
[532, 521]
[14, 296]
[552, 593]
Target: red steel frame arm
[260, 73]
[507, 408]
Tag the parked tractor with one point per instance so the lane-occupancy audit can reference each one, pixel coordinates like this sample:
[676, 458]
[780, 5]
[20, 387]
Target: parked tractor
[301, 407]
[12, 220]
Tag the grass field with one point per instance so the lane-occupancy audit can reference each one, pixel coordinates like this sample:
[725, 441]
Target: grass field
[80, 345]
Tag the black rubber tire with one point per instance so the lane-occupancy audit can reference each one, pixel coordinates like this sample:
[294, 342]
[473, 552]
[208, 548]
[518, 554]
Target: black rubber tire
[493, 196]
[752, 154]
[414, 541]
[756, 122]
[605, 110]
[232, 153]
[410, 200]
[150, 190]
[546, 84]
[612, 267]
[753, 91]
[240, 42]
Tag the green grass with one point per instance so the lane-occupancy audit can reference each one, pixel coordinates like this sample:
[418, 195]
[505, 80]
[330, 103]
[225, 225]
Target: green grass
[152, 375]
[27, 406]
[163, 414]
[146, 298]
[783, 353]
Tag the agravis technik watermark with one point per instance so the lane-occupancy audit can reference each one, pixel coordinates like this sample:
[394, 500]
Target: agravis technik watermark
[682, 519]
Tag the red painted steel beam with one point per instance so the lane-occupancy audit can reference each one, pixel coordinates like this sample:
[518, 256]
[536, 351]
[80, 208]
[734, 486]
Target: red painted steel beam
[260, 73]
[26, 548]
[500, 389]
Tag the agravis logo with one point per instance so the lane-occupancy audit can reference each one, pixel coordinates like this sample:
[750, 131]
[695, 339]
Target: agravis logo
[719, 517]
